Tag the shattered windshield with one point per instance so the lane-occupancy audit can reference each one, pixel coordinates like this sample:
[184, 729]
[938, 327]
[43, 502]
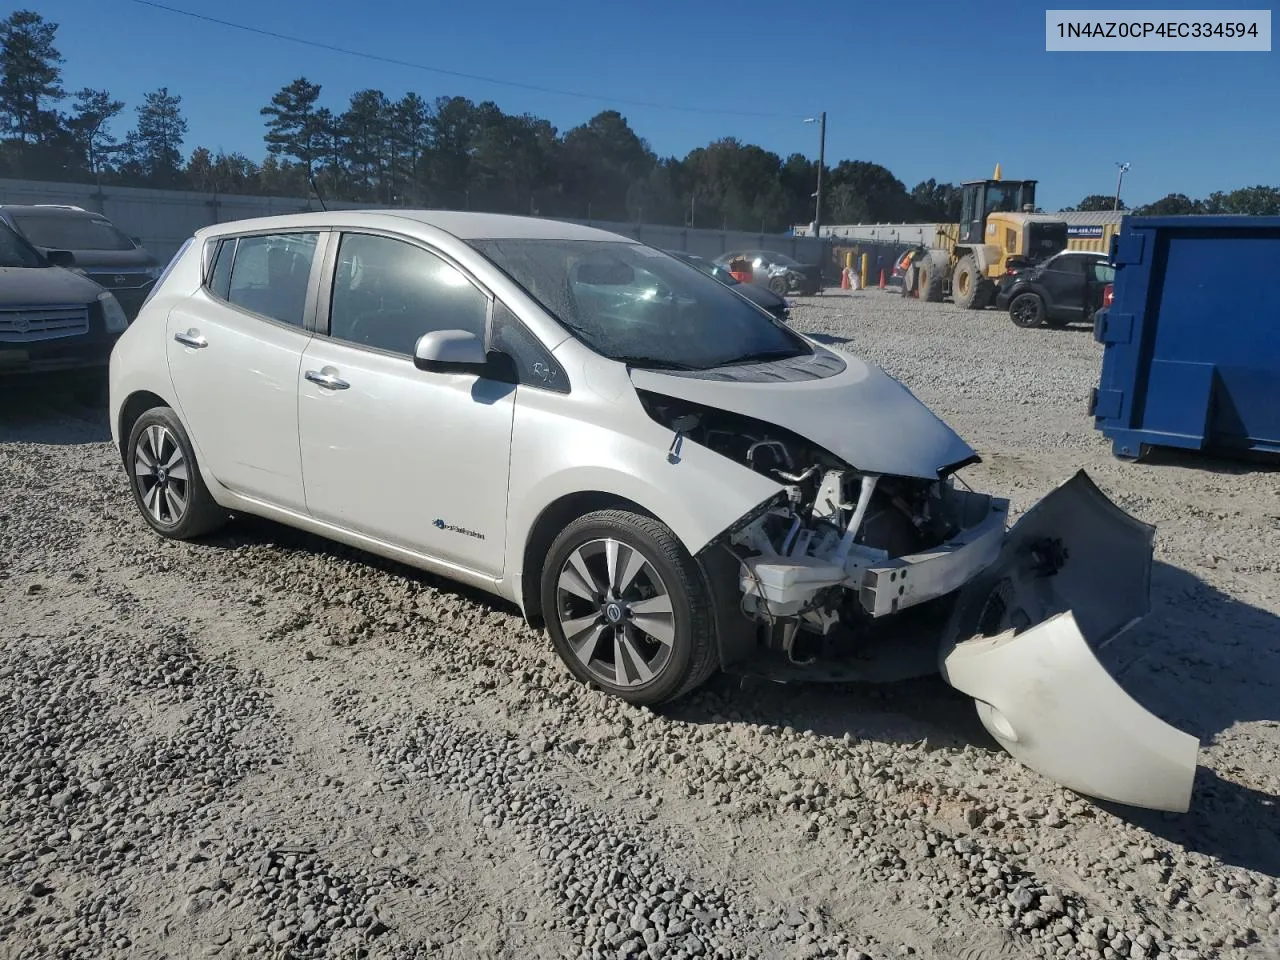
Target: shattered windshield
[632, 303]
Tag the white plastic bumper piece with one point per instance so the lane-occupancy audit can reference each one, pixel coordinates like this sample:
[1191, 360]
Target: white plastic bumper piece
[1073, 575]
[1048, 701]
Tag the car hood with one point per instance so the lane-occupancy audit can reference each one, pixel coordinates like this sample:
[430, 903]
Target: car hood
[849, 407]
[41, 286]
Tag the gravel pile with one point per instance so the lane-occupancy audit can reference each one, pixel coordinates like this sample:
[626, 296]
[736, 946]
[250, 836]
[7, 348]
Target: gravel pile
[265, 745]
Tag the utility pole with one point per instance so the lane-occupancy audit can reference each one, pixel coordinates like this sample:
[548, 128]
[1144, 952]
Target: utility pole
[1119, 180]
[821, 120]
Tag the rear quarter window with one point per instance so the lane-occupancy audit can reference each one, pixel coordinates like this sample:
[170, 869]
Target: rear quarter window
[173, 261]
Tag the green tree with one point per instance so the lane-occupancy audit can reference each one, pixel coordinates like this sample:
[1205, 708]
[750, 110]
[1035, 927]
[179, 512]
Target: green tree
[1098, 203]
[453, 126]
[366, 127]
[1171, 205]
[1256, 201]
[30, 74]
[935, 202]
[862, 192]
[156, 142]
[410, 135]
[600, 160]
[294, 125]
[90, 127]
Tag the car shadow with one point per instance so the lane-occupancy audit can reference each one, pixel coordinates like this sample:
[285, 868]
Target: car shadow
[1202, 661]
[1245, 462]
[829, 339]
[51, 414]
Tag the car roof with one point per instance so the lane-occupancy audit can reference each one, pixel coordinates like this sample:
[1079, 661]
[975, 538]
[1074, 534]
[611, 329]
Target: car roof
[461, 224]
[50, 210]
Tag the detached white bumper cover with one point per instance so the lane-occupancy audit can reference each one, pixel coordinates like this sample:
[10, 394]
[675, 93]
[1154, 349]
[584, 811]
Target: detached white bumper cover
[1073, 575]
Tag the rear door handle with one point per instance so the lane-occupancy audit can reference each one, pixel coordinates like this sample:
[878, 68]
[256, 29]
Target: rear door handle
[190, 339]
[327, 380]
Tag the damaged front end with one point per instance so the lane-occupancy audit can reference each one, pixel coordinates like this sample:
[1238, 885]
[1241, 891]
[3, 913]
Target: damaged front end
[851, 575]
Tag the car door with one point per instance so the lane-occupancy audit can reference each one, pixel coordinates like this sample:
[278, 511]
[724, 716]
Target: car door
[1063, 279]
[415, 458]
[235, 348]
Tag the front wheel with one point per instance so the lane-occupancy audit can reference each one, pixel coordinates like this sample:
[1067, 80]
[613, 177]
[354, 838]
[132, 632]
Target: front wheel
[627, 608]
[165, 478]
[779, 285]
[1027, 310]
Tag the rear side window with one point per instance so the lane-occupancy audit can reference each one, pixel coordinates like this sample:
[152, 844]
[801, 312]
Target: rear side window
[1072, 265]
[267, 275]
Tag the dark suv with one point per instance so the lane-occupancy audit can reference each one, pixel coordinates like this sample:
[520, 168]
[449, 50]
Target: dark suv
[1066, 288]
[102, 252]
[53, 321]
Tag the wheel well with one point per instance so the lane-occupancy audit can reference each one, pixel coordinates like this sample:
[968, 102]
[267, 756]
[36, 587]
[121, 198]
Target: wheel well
[134, 407]
[550, 522]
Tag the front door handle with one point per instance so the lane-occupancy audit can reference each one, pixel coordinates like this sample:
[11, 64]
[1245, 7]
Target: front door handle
[190, 339]
[327, 380]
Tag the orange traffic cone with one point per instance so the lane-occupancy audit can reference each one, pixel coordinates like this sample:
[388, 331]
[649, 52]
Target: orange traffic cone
[844, 279]
[882, 278]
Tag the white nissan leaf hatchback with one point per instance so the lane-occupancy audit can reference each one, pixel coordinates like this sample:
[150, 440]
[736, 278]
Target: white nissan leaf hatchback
[667, 477]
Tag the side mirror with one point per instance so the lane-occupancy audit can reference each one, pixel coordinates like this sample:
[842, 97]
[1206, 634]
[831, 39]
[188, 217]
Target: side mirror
[61, 258]
[448, 348]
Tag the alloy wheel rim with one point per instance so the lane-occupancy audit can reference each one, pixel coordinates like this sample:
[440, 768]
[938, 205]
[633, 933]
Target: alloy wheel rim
[160, 472]
[615, 613]
[1025, 313]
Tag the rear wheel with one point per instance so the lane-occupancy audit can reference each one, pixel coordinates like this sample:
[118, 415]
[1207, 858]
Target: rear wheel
[165, 478]
[627, 608]
[1027, 310]
[968, 286]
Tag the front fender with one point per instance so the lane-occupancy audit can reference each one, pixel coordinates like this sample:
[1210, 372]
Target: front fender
[698, 493]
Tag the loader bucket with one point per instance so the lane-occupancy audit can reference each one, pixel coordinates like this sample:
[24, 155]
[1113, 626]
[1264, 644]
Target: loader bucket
[1074, 574]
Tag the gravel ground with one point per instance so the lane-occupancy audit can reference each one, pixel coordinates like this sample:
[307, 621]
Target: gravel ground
[265, 745]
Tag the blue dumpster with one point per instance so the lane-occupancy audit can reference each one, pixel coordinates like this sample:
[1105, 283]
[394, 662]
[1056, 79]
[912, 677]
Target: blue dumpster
[1191, 354]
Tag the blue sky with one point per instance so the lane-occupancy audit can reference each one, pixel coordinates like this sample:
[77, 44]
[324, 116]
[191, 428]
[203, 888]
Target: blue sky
[946, 95]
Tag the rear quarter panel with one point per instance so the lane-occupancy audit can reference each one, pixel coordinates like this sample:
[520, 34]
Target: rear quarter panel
[139, 360]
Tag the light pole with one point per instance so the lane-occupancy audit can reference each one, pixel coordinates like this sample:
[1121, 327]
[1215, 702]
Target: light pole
[821, 120]
[1119, 180]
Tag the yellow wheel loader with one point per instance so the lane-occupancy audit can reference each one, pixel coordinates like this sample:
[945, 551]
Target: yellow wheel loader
[997, 232]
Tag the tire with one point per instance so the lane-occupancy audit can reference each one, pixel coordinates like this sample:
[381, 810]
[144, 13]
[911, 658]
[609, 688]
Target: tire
[929, 280]
[177, 507]
[908, 280]
[680, 653]
[779, 285]
[1027, 310]
[968, 286]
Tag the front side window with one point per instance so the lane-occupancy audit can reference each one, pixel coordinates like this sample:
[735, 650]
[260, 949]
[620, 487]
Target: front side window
[387, 293]
[72, 232]
[268, 274]
[638, 305]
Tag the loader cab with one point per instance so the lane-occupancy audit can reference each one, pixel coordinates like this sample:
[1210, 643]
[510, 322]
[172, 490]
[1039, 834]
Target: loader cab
[980, 198]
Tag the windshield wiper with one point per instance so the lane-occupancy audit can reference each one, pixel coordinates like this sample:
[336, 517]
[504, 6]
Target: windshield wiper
[653, 363]
[761, 356]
